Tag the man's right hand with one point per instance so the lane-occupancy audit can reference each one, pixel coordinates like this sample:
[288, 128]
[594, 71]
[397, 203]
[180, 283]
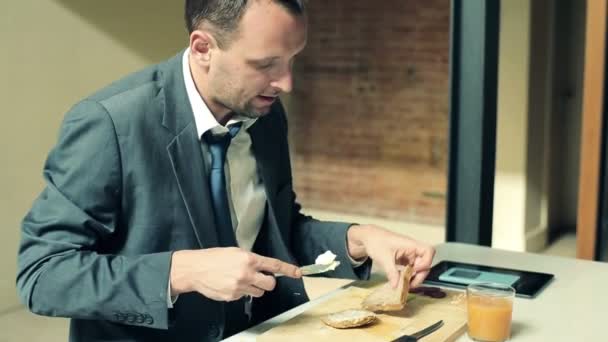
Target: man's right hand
[226, 274]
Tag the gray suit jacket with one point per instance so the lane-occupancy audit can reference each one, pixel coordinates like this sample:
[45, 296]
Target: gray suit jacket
[126, 186]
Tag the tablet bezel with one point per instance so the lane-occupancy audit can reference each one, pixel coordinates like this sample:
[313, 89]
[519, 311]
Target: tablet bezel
[529, 284]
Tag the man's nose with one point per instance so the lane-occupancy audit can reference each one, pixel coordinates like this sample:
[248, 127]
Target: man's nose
[284, 82]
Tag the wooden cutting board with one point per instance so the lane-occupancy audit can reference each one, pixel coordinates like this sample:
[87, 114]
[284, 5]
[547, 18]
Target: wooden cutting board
[420, 312]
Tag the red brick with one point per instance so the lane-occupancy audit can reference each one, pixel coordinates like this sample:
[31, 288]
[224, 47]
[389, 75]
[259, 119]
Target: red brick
[370, 123]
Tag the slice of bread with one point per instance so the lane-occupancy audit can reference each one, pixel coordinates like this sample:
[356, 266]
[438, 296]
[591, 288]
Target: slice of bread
[386, 298]
[349, 318]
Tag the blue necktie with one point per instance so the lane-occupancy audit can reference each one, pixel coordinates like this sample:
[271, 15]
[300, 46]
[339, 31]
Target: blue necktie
[218, 146]
[238, 313]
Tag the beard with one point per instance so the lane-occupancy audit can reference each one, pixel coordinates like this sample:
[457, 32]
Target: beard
[251, 112]
[247, 109]
[235, 98]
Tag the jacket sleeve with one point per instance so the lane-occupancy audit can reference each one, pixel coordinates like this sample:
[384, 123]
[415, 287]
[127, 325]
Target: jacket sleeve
[60, 269]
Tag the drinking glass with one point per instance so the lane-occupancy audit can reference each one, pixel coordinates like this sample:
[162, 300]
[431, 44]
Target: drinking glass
[489, 311]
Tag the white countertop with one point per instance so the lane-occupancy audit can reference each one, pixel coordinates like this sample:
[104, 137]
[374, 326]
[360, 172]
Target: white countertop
[574, 307]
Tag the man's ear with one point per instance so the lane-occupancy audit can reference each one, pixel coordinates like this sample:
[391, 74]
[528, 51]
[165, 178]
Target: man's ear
[202, 43]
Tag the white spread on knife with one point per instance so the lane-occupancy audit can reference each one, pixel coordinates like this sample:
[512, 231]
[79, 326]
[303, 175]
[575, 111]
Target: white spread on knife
[325, 258]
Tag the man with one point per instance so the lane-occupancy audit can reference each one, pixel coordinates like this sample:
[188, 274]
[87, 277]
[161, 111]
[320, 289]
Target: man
[145, 233]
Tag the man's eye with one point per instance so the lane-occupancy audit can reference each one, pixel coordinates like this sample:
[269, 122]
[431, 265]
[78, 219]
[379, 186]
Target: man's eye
[265, 66]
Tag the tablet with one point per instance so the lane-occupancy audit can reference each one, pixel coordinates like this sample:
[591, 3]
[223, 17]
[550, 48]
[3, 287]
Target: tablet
[527, 284]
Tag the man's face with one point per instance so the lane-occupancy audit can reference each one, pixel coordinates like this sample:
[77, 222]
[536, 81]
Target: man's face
[256, 67]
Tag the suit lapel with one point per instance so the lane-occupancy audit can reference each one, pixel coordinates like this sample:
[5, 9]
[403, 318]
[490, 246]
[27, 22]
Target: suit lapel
[264, 150]
[185, 152]
[186, 160]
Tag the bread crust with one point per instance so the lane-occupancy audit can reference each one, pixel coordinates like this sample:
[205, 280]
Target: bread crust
[351, 318]
[386, 298]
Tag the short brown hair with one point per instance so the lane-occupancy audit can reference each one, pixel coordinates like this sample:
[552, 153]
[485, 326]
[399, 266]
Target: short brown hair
[224, 16]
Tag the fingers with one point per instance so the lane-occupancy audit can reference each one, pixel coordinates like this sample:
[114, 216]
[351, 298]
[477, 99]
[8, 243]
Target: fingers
[393, 277]
[406, 257]
[233, 293]
[254, 291]
[260, 284]
[387, 263]
[275, 266]
[264, 282]
[241, 274]
[422, 264]
[420, 257]
[418, 279]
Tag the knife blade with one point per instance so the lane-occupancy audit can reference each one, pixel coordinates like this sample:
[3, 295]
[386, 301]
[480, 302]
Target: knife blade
[319, 268]
[420, 334]
[315, 269]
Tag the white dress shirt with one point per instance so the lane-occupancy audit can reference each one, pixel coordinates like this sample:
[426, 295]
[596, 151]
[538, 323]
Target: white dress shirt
[246, 193]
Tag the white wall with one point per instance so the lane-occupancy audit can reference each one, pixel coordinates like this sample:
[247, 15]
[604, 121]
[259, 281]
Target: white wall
[538, 121]
[53, 53]
[512, 126]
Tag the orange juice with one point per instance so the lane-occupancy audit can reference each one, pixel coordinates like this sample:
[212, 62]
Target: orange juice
[489, 318]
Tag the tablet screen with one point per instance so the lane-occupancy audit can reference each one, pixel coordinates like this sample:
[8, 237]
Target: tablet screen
[456, 274]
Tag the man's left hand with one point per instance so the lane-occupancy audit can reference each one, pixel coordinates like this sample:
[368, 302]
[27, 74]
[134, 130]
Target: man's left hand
[389, 249]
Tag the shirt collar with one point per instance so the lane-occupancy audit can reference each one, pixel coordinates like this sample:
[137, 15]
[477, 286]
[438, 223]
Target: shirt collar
[203, 118]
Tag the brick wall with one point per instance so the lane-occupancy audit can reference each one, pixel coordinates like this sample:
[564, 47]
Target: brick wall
[369, 112]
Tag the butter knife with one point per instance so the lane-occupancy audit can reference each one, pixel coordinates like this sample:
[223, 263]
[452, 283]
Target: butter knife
[315, 269]
[420, 334]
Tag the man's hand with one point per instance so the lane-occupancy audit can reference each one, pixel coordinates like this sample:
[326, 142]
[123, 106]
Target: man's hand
[225, 274]
[389, 249]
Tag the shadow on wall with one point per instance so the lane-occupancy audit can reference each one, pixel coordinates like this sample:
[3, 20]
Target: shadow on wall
[153, 29]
